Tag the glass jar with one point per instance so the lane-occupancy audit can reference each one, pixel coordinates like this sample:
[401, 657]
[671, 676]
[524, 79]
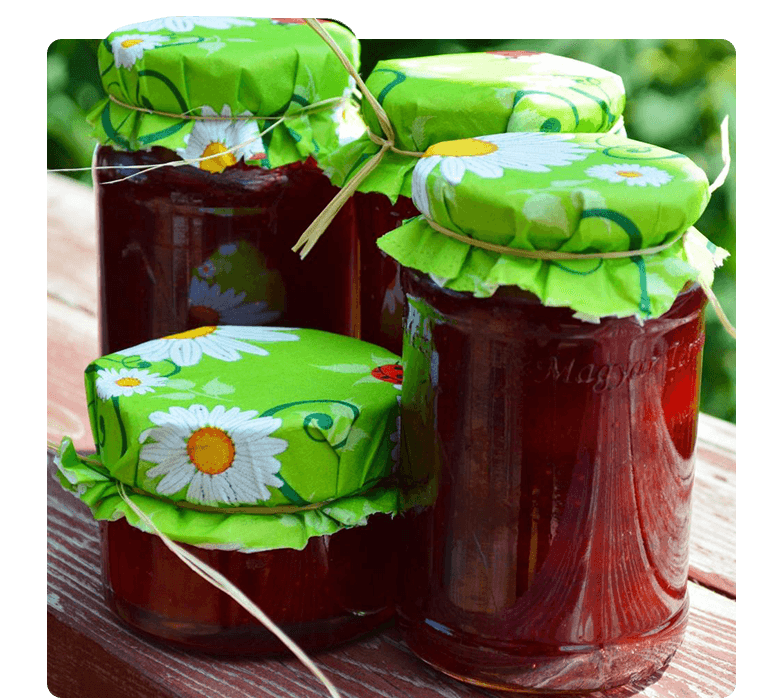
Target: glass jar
[174, 231]
[548, 464]
[271, 462]
[336, 589]
[547, 93]
[208, 170]
[381, 299]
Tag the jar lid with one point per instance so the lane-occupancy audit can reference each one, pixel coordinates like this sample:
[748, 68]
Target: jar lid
[217, 67]
[451, 96]
[571, 193]
[249, 438]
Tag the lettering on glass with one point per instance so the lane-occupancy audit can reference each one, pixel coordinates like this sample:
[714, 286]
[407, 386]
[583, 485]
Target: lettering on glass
[609, 376]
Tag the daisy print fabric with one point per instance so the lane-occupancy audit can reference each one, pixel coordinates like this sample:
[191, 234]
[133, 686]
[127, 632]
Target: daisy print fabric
[490, 156]
[217, 144]
[226, 444]
[126, 382]
[222, 342]
[186, 84]
[581, 194]
[221, 456]
[129, 48]
[631, 174]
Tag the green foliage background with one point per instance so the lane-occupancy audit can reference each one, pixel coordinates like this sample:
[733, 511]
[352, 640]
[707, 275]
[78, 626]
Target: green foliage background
[678, 92]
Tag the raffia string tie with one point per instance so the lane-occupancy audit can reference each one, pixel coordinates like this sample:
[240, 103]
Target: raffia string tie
[310, 236]
[220, 582]
[552, 255]
[322, 105]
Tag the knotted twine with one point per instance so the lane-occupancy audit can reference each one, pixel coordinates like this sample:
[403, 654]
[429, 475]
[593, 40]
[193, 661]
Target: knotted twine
[319, 106]
[310, 236]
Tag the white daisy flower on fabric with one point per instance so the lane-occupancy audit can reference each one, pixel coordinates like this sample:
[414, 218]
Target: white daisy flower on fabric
[186, 24]
[210, 307]
[129, 48]
[633, 174]
[222, 456]
[214, 138]
[221, 342]
[126, 382]
[490, 156]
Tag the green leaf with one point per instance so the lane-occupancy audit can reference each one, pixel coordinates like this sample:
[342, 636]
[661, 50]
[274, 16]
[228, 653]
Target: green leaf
[176, 396]
[180, 383]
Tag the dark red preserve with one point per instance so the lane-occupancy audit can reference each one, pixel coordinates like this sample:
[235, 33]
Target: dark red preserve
[337, 588]
[548, 465]
[161, 231]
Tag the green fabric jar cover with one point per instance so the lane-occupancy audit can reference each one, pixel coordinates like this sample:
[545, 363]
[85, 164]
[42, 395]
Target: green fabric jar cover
[573, 193]
[223, 67]
[203, 426]
[445, 97]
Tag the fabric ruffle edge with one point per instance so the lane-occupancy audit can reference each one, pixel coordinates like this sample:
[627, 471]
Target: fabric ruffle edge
[641, 286]
[295, 140]
[247, 533]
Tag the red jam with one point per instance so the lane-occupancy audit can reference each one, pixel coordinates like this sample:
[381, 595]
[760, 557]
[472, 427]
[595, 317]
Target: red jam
[548, 465]
[159, 226]
[381, 299]
[335, 589]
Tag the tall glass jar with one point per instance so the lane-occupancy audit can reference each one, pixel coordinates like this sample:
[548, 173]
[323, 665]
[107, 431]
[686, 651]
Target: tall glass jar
[558, 456]
[430, 99]
[552, 358]
[207, 173]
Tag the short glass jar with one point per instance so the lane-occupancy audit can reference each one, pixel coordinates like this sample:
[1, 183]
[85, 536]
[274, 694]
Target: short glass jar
[558, 457]
[265, 452]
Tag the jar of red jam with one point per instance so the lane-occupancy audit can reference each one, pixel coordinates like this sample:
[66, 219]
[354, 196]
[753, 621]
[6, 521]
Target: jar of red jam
[549, 408]
[272, 465]
[206, 174]
[452, 96]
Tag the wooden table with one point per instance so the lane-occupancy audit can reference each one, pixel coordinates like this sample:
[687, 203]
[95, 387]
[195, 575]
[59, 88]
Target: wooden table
[90, 655]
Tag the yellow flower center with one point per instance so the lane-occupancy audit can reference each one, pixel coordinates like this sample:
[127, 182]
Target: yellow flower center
[129, 43]
[211, 450]
[219, 163]
[462, 148]
[192, 334]
[128, 382]
[629, 173]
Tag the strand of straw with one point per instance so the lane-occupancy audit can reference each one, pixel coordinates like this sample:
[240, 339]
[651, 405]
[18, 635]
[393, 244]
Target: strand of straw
[548, 254]
[310, 236]
[223, 584]
[316, 106]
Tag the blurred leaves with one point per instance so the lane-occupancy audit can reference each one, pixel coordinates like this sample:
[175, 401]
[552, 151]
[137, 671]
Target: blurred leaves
[678, 92]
